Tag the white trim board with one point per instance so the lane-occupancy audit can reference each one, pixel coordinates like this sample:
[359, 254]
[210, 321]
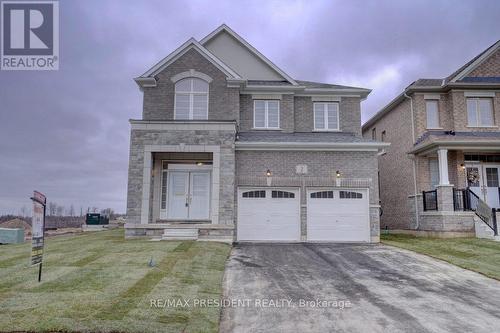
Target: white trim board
[188, 45]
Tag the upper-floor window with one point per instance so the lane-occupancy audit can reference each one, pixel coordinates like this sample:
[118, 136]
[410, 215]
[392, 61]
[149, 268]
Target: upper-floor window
[326, 116]
[374, 133]
[432, 110]
[266, 114]
[191, 99]
[480, 112]
[382, 136]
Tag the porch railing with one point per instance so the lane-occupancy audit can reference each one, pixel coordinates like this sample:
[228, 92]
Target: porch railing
[467, 200]
[430, 200]
[460, 200]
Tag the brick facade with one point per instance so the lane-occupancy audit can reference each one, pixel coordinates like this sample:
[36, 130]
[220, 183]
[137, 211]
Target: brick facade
[320, 164]
[227, 104]
[396, 166]
[159, 101]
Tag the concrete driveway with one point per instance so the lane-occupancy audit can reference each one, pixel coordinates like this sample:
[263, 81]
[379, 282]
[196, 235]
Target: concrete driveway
[381, 289]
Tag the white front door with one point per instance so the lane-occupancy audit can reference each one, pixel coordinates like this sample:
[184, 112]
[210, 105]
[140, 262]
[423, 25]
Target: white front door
[188, 195]
[484, 181]
[474, 179]
[178, 195]
[490, 176]
[199, 195]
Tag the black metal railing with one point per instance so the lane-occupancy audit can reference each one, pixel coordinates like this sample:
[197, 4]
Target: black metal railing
[460, 202]
[430, 200]
[467, 200]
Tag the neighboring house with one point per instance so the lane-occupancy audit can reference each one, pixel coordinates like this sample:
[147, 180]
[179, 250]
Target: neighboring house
[444, 136]
[230, 147]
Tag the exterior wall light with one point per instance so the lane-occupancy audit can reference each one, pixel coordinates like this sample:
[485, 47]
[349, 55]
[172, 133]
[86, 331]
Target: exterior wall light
[337, 174]
[269, 178]
[462, 166]
[199, 163]
[268, 173]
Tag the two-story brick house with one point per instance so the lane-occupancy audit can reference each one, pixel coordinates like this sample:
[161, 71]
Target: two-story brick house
[230, 147]
[444, 136]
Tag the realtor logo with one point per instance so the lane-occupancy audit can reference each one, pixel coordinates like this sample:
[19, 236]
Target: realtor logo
[30, 35]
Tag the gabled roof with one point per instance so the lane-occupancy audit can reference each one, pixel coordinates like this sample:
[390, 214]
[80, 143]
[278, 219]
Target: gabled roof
[147, 79]
[320, 85]
[457, 77]
[253, 50]
[473, 63]
[282, 82]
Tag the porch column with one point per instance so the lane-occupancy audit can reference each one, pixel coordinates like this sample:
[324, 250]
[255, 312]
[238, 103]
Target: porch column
[146, 185]
[443, 166]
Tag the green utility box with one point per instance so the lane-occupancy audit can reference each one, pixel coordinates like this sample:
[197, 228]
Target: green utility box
[96, 219]
[11, 236]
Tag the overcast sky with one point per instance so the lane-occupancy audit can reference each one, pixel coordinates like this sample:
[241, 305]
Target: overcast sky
[66, 132]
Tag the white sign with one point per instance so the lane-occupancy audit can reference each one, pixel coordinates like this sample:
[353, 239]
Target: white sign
[37, 226]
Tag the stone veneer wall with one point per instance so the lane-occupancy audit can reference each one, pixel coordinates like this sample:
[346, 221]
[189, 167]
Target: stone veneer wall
[201, 138]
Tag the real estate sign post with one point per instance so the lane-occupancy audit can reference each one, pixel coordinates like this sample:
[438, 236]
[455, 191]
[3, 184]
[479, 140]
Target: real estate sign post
[38, 227]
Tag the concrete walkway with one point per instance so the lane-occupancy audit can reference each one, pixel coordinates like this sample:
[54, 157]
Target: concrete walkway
[381, 289]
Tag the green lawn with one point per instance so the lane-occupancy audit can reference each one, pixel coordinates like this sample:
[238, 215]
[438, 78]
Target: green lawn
[478, 255]
[100, 282]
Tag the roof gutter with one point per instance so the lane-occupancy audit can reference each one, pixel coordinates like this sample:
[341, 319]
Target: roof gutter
[414, 162]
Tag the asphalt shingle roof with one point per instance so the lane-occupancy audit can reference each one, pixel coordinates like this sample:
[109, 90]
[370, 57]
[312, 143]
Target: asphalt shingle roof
[307, 84]
[443, 81]
[457, 135]
[311, 84]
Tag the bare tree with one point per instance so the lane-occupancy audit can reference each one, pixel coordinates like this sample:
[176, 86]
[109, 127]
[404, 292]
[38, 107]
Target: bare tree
[23, 211]
[71, 210]
[52, 208]
[59, 210]
[81, 211]
[107, 211]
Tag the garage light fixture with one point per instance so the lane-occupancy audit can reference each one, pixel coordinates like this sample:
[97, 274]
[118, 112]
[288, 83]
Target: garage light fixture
[268, 173]
[462, 166]
[337, 174]
[199, 163]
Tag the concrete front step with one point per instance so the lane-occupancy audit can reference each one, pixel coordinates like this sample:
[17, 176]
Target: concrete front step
[483, 230]
[180, 234]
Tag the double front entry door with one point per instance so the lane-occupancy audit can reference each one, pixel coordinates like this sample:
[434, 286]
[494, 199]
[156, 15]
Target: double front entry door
[483, 180]
[188, 195]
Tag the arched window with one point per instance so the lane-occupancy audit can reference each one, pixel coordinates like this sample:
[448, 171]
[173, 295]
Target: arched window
[191, 99]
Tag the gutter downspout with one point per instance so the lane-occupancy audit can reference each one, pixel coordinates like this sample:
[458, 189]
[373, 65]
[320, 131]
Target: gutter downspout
[414, 163]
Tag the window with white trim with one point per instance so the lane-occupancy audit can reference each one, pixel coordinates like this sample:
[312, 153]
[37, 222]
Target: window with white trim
[350, 195]
[432, 111]
[480, 112]
[191, 99]
[254, 194]
[282, 194]
[322, 195]
[266, 114]
[326, 116]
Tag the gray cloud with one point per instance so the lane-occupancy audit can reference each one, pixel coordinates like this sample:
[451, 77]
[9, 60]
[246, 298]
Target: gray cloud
[66, 132]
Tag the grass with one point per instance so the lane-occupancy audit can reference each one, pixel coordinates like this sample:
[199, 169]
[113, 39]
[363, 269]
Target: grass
[100, 282]
[479, 255]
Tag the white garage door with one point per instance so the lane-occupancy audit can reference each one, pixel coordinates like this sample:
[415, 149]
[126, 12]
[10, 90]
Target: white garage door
[268, 214]
[340, 215]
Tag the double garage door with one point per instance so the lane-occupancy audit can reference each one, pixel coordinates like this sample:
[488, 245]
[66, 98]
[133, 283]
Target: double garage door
[273, 214]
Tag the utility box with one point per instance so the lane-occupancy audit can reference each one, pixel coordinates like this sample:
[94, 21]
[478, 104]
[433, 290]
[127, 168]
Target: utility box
[11, 236]
[96, 219]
